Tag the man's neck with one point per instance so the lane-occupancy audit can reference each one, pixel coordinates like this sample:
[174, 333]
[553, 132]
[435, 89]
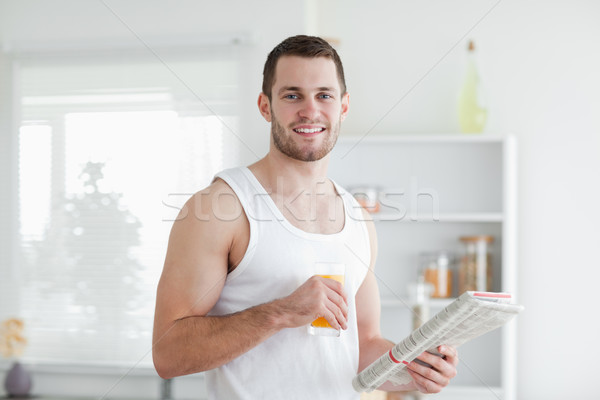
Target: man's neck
[302, 192]
[285, 176]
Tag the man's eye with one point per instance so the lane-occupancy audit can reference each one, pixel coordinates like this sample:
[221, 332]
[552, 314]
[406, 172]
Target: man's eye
[291, 96]
[325, 96]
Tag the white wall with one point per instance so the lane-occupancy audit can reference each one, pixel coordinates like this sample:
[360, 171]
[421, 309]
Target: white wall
[552, 100]
[540, 60]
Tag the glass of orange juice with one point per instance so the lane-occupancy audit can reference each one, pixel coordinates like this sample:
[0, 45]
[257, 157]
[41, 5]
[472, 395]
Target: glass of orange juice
[337, 272]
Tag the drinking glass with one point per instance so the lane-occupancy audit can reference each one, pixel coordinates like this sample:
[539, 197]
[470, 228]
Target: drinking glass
[330, 270]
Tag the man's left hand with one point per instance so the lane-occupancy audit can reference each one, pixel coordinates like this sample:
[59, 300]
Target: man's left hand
[433, 379]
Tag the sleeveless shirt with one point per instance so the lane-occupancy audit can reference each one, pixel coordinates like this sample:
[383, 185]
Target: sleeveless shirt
[291, 364]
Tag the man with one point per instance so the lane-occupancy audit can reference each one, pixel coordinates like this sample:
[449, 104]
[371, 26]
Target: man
[239, 289]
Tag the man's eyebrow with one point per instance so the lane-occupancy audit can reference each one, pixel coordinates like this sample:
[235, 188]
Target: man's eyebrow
[289, 89]
[298, 89]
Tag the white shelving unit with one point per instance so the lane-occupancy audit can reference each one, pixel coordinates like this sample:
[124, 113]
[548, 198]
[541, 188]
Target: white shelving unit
[438, 188]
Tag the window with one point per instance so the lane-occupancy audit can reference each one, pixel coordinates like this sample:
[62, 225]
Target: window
[107, 151]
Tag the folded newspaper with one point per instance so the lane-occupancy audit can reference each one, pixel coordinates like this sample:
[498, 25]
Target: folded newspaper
[469, 316]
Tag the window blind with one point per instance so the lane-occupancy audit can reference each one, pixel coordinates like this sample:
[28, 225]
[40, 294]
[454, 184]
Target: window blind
[109, 148]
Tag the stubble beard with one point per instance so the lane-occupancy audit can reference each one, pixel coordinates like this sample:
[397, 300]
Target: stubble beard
[290, 148]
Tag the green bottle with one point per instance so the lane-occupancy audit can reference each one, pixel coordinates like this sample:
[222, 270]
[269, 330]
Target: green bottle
[472, 113]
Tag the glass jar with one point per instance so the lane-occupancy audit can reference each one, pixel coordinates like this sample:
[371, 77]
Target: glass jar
[437, 270]
[475, 271]
[367, 197]
[419, 293]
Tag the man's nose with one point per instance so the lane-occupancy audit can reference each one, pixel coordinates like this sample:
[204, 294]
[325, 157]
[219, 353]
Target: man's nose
[310, 109]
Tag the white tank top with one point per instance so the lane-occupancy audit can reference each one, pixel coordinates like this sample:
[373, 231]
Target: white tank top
[290, 364]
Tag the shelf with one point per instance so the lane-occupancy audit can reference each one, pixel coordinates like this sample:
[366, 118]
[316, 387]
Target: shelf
[442, 217]
[434, 189]
[461, 392]
[36, 397]
[425, 138]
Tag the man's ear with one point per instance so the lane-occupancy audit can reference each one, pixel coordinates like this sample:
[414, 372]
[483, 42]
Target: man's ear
[345, 105]
[264, 106]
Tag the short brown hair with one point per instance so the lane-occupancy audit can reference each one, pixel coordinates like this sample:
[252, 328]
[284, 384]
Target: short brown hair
[303, 46]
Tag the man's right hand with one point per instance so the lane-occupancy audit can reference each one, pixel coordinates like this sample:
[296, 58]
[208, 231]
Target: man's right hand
[317, 297]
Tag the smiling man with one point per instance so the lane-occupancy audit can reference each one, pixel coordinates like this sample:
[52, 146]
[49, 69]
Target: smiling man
[308, 109]
[239, 285]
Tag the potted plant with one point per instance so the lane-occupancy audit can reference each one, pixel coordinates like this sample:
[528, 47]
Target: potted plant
[12, 344]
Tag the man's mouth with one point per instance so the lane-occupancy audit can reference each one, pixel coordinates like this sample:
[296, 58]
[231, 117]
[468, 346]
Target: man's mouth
[308, 131]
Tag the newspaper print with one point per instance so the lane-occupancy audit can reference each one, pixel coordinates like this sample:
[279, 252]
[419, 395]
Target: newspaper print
[471, 315]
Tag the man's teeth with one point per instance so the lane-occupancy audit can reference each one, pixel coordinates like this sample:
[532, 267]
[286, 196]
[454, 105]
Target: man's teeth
[303, 130]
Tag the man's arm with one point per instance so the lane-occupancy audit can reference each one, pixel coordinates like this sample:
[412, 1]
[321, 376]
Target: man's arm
[210, 235]
[373, 345]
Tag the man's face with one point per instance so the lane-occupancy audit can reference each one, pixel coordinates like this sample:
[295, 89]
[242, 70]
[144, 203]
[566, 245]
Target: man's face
[306, 107]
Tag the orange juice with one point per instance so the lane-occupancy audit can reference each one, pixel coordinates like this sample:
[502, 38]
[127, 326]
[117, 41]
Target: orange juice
[321, 322]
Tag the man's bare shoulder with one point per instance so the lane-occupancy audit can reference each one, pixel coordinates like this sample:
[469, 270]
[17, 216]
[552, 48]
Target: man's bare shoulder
[209, 224]
[215, 204]
[202, 244]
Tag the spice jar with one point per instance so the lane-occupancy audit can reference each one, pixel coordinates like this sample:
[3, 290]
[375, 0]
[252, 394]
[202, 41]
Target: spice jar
[475, 272]
[437, 271]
